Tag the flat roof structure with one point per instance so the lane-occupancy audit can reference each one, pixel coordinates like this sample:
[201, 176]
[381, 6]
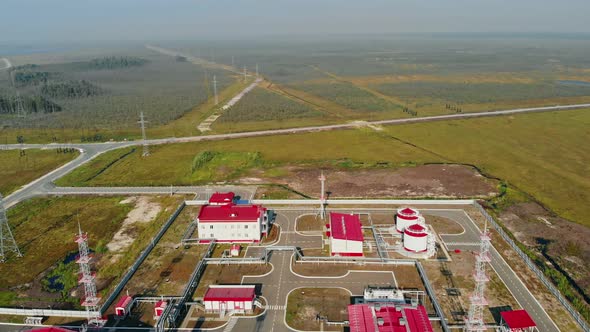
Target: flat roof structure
[230, 293]
[222, 198]
[230, 213]
[386, 318]
[345, 227]
[517, 319]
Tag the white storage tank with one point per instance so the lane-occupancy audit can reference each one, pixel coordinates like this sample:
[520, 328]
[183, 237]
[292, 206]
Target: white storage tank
[405, 217]
[416, 238]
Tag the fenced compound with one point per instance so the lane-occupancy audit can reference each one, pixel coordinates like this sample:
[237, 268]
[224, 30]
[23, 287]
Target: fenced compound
[531, 265]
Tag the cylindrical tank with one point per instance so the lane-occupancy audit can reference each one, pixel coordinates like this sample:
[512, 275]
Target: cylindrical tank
[405, 217]
[415, 238]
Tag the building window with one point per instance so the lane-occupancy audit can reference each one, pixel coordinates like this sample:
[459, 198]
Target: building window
[245, 226]
[212, 236]
[210, 226]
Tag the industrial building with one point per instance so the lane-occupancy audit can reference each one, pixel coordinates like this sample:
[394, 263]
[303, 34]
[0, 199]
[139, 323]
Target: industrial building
[346, 234]
[388, 317]
[233, 223]
[225, 299]
[123, 307]
[159, 309]
[517, 321]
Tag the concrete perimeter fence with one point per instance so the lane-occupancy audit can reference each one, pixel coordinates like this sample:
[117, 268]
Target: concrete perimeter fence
[573, 312]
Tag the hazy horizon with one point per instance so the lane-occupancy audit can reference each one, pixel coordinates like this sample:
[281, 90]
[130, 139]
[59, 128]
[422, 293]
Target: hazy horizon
[147, 20]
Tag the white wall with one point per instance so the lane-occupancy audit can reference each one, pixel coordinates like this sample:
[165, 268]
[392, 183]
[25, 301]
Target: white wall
[234, 231]
[338, 245]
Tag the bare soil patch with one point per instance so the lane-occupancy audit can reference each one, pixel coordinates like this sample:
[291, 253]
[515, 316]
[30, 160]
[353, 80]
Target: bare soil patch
[309, 223]
[426, 180]
[144, 211]
[305, 305]
[567, 243]
[444, 225]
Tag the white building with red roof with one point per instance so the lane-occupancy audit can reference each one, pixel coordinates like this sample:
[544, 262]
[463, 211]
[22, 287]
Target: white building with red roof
[225, 299]
[222, 198]
[233, 223]
[517, 321]
[384, 317]
[346, 235]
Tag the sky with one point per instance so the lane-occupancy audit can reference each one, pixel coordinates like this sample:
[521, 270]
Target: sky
[110, 20]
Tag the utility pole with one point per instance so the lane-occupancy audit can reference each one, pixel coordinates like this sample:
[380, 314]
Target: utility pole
[245, 74]
[7, 242]
[256, 70]
[232, 61]
[215, 89]
[20, 109]
[474, 320]
[322, 179]
[142, 122]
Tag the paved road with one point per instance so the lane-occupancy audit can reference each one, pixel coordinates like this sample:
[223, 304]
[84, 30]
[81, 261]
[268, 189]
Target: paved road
[277, 285]
[91, 150]
[518, 289]
[7, 63]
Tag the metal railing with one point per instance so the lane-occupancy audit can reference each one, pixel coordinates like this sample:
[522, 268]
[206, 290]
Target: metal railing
[573, 312]
[432, 295]
[43, 312]
[131, 271]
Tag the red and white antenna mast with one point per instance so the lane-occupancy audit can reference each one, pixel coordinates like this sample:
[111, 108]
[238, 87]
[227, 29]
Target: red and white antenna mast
[87, 278]
[474, 320]
[322, 179]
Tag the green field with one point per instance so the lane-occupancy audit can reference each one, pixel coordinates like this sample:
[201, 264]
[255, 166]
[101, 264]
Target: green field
[17, 170]
[44, 229]
[263, 105]
[349, 96]
[542, 155]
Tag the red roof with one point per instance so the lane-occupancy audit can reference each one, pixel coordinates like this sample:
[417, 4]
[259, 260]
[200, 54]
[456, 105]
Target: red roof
[230, 293]
[222, 198]
[50, 329]
[408, 212]
[517, 319]
[161, 304]
[415, 230]
[345, 227]
[364, 317]
[230, 213]
[124, 302]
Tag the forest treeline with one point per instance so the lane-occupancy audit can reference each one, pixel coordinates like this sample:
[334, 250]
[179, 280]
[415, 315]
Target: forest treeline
[114, 62]
[71, 89]
[31, 104]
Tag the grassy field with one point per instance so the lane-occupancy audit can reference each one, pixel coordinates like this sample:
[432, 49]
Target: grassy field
[303, 304]
[236, 157]
[261, 104]
[542, 155]
[45, 228]
[17, 170]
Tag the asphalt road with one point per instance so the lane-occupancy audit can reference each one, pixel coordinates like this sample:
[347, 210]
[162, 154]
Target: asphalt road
[91, 150]
[7, 63]
[469, 241]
